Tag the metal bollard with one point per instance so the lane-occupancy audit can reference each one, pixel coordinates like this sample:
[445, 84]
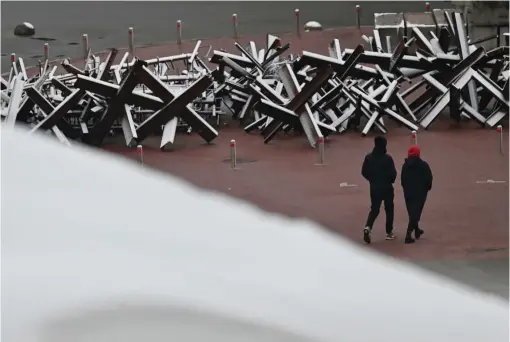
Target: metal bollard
[139, 151]
[298, 26]
[85, 40]
[179, 32]
[234, 22]
[427, 6]
[14, 68]
[320, 149]
[499, 129]
[131, 42]
[358, 20]
[46, 51]
[233, 154]
[414, 136]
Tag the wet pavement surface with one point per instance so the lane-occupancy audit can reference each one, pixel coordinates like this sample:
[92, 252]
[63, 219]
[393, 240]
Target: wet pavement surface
[489, 276]
[62, 23]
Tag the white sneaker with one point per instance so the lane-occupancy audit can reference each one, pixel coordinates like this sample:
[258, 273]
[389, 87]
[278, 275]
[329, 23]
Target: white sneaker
[390, 236]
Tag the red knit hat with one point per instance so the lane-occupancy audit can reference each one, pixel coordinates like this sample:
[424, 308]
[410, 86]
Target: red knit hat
[414, 151]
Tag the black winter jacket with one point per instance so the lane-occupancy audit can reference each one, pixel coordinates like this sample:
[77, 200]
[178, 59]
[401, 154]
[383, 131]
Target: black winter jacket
[416, 177]
[379, 169]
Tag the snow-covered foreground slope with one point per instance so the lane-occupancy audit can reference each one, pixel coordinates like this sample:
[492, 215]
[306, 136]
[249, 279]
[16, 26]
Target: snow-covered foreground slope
[94, 248]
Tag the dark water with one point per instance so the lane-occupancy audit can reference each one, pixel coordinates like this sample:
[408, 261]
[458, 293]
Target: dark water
[107, 23]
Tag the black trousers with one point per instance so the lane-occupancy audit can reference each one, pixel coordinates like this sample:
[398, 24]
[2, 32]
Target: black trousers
[377, 196]
[414, 204]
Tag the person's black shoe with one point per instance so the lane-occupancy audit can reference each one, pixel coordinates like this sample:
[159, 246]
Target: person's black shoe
[418, 233]
[409, 239]
[366, 235]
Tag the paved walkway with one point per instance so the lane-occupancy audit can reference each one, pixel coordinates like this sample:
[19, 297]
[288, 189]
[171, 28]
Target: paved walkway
[106, 22]
[463, 219]
[466, 222]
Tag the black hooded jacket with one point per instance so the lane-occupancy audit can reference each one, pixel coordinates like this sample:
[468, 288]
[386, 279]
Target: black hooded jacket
[416, 177]
[378, 167]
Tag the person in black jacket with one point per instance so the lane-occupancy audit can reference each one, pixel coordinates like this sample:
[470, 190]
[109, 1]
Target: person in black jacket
[416, 180]
[379, 170]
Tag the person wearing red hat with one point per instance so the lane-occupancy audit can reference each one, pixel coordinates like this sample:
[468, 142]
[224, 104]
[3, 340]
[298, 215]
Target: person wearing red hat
[379, 170]
[416, 178]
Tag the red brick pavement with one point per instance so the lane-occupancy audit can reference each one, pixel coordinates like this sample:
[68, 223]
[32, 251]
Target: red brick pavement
[462, 219]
